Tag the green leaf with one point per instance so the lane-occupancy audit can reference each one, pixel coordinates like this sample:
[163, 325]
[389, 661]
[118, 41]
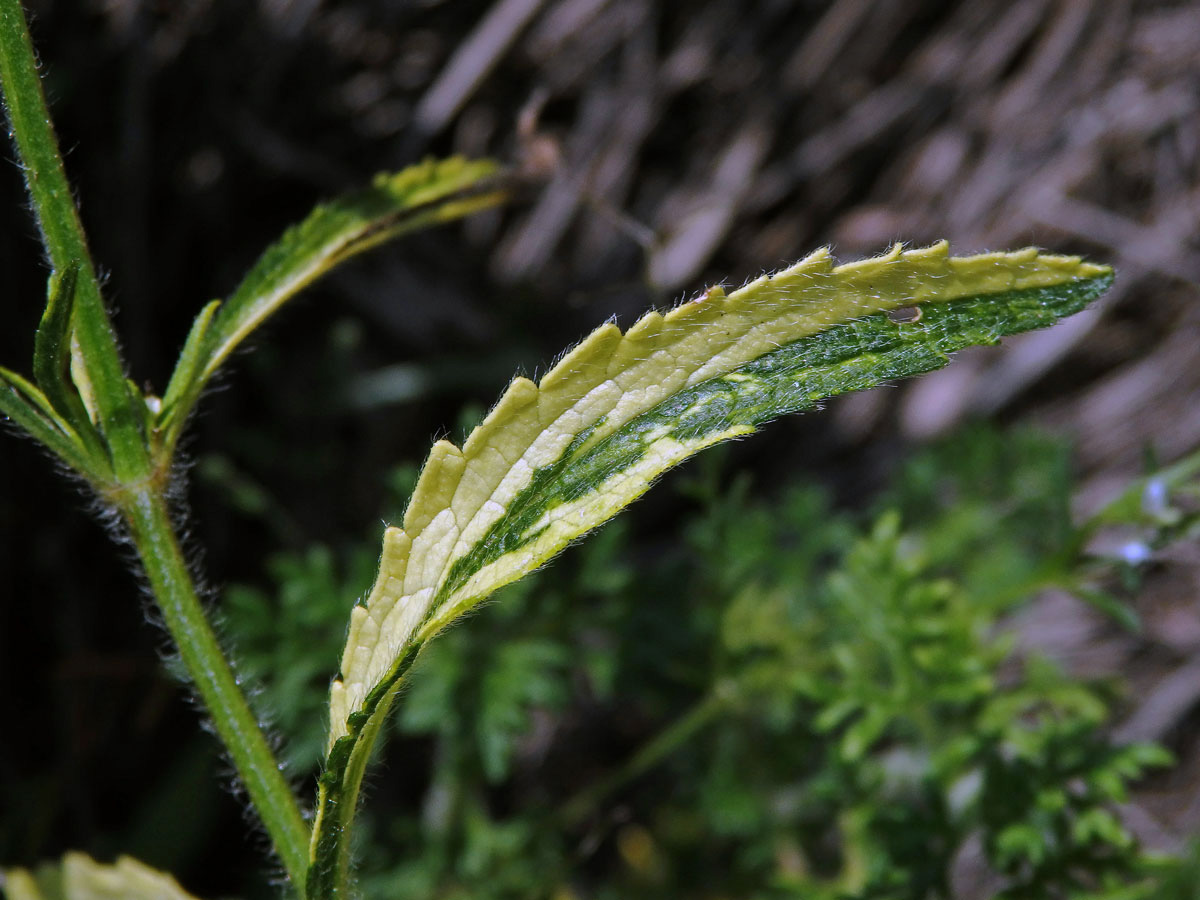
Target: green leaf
[52, 356]
[1100, 826]
[52, 343]
[29, 408]
[79, 877]
[420, 196]
[524, 674]
[555, 459]
[1018, 843]
[1113, 607]
[863, 734]
[186, 384]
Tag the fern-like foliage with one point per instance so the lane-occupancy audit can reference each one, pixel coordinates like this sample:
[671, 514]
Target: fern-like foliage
[555, 459]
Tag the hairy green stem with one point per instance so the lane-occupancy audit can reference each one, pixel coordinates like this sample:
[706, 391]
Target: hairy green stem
[153, 535]
[662, 745]
[65, 243]
[135, 482]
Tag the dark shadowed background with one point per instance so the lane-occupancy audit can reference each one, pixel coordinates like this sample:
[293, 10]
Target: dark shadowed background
[680, 144]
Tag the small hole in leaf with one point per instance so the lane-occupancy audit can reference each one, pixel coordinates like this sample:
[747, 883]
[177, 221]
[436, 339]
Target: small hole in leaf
[905, 315]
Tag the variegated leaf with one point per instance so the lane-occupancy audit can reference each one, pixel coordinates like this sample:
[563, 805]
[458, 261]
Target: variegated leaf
[557, 458]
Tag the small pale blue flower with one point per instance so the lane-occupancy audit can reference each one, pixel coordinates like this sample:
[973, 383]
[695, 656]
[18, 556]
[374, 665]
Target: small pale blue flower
[1135, 552]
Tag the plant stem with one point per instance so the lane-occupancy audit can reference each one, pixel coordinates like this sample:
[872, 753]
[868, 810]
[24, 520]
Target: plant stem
[65, 243]
[153, 535]
[659, 747]
[135, 481]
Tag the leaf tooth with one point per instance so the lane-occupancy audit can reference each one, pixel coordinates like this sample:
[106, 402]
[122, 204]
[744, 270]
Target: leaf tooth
[819, 261]
[579, 370]
[354, 632]
[338, 711]
[582, 363]
[388, 612]
[435, 488]
[393, 563]
[401, 182]
[387, 592]
[938, 250]
[574, 394]
[362, 638]
[506, 435]
[778, 291]
[876, 276]
[997, 272]
[645, 338]
[1043, 269]
[396, 544]
[647, 328]
[348, 691]
[696, 313]
[520, 394]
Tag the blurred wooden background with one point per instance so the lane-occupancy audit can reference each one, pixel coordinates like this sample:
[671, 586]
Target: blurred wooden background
[680, 144]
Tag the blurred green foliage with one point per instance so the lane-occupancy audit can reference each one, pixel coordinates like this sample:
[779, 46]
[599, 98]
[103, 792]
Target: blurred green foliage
[793, 701]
